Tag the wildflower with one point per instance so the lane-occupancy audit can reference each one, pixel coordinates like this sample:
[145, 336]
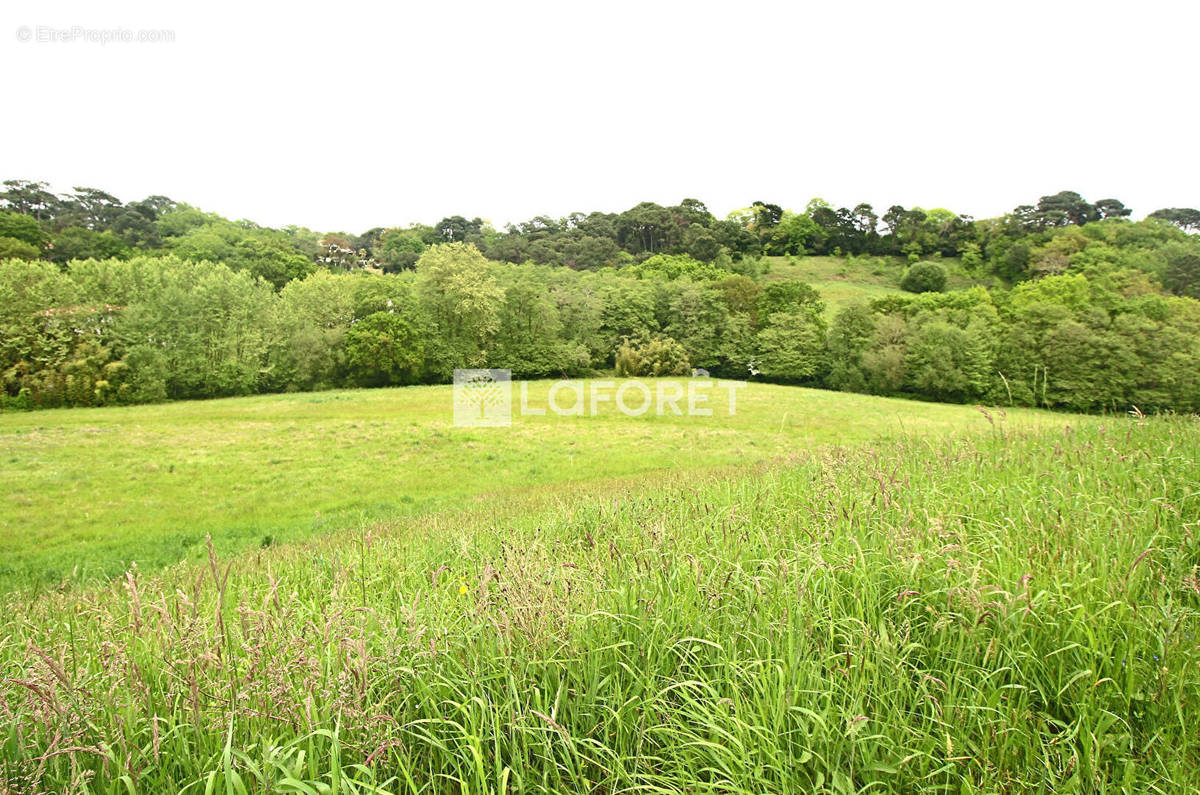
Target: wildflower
[462, 590]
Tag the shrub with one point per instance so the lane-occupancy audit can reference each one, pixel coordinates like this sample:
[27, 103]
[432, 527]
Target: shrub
[656, 357]
[668, 267]
[924, 277]
[23, 228]
[12, 248]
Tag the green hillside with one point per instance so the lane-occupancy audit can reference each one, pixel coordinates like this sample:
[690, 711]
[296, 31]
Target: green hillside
[87, 492]
[846, 280]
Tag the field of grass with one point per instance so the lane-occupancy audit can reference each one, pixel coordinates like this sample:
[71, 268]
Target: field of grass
[86, 493]
[842, 281]
[1013, 610]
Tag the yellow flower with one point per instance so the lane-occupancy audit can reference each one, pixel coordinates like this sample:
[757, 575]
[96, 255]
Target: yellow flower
[462, 589]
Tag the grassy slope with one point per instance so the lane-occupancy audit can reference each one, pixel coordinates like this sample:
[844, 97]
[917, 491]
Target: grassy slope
[842, 281]
[91, 490]
[1011, 613]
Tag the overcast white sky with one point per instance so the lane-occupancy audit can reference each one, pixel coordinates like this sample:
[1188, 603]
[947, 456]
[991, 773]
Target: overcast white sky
[351, 115]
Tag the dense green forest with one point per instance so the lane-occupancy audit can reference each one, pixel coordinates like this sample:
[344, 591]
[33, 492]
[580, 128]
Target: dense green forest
[1077, 306]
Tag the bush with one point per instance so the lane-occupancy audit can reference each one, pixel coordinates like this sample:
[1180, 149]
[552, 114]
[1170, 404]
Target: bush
[656, 357]
[668, 267]
[12, 248]
[23, 228]
[924, 277]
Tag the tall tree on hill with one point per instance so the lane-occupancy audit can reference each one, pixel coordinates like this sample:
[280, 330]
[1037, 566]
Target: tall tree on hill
[1185, 218]
[92, 208]
[1065, 208]
[766, 215]
[692, 211]
[866, 224]
[30, 198]
[457, 229]
[153, 206]
[647, 227]
[1112, 208]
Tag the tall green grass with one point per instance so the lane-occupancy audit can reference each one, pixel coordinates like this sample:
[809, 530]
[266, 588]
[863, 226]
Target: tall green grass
[1013, 613]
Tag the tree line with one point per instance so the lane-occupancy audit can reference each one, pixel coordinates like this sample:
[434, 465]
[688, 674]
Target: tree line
[1089, 310]
[91, 223]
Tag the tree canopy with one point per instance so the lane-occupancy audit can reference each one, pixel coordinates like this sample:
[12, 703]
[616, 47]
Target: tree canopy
[105, 302]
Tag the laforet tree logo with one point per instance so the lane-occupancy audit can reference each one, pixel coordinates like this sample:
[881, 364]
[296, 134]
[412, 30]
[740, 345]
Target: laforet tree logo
[483, 392]
[482, 398]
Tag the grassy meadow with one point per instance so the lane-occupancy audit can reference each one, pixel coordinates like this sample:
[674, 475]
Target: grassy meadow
[87, 493]
[1010, 610]
[842, 281]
